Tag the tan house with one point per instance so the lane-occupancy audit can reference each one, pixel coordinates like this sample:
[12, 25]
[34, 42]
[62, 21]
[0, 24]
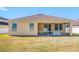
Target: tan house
[40, 25]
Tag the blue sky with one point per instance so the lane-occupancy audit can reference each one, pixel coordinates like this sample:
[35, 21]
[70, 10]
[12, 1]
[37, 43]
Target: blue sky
[15, 12]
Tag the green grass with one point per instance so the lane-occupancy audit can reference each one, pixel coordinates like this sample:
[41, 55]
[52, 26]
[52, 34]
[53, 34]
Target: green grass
[75, 34]
[38, 44]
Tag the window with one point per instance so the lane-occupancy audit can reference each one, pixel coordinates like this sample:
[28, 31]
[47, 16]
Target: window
[3, 23]
[14, 27]
[58, 26]
[45, 25]
[31, 26]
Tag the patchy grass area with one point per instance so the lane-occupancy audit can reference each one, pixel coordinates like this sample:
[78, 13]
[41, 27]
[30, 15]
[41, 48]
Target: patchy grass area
[75, 34]
[38, 44]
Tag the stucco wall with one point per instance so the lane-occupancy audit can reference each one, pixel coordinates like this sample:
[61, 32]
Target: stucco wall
[23, 28]
[40, 27]
[4, 29]
[75, 29]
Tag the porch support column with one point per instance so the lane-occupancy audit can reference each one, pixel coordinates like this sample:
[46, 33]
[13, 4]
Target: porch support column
[64, 27]
[58, 28]
[70, 29]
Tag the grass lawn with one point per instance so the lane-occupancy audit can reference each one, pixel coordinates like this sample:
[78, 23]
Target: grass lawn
[38, 44]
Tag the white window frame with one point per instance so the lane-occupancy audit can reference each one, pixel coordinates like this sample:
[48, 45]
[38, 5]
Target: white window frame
[31, 26]
[14, 29]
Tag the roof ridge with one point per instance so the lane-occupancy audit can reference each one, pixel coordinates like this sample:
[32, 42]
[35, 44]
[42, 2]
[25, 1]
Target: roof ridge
[39, 14]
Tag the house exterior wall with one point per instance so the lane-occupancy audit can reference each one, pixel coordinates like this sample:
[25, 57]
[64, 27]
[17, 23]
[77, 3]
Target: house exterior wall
[4, 29]
[52, 27]
[23, 28]
[43, 20]
[63, 29]
[75, 29]
[40, 27]
[4, 26]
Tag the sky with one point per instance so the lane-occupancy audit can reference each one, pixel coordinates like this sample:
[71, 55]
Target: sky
[16, 12]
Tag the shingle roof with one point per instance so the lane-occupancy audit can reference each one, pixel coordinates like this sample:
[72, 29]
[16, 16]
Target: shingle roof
[3, 18]
[40, 16]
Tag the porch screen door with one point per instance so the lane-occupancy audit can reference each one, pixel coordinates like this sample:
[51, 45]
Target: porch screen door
[47, 27]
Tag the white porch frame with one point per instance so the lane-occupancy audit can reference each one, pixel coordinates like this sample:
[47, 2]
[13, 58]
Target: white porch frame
[58, 29]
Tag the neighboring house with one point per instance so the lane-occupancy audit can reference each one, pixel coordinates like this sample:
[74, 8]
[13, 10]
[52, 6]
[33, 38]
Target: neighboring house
[75, 26]
[40, 25]
[3, 25]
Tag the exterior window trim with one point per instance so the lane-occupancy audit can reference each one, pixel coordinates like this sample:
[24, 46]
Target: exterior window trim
[58, 27]
[46, 25]
[14, 26]
[31, 26]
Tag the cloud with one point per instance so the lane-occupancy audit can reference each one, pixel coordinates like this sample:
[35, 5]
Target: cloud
[3, 9]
